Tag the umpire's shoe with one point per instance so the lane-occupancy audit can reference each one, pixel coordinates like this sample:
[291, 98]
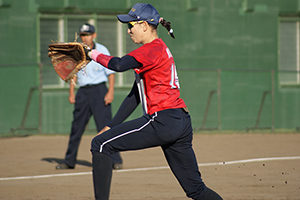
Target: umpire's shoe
[117, 166]
[63, 166]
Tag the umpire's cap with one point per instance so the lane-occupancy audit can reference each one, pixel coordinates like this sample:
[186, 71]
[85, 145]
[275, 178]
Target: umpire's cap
[141, 11]
[86, 29]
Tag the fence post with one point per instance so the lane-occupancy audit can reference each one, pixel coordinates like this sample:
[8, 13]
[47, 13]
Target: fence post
[207, 109]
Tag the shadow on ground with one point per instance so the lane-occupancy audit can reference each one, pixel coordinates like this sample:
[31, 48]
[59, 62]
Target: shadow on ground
[59, 161]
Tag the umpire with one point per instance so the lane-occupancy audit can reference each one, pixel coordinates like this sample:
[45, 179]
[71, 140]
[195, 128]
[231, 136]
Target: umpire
[92, 98]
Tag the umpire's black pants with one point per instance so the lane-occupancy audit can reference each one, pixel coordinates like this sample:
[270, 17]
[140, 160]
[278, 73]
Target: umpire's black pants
[89, 101]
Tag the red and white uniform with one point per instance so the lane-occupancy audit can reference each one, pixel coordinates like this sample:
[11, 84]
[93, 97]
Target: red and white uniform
[157, 79]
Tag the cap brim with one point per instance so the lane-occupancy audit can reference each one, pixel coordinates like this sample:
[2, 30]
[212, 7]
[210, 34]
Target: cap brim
[126, 18]
[82, 33]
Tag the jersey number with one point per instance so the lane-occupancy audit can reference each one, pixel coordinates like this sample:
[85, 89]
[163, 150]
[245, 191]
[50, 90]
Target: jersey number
[174, 78]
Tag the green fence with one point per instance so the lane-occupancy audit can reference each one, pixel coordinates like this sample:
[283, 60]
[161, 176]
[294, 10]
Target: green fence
[230, 99]
[240, 100]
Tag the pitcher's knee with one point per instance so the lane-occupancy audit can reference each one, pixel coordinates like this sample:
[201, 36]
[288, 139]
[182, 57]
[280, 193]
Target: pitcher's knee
[101, 145]
[96, 144]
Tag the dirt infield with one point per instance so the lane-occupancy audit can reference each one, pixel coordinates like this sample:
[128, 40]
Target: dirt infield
[237, 166]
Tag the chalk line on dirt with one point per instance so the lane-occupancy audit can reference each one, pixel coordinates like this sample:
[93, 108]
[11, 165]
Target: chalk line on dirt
[153, 168]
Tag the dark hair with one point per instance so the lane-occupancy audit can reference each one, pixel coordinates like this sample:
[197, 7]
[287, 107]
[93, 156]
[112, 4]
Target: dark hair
[165, 24]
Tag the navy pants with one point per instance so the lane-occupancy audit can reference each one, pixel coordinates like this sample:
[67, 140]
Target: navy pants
[171, 129]
[89, 101]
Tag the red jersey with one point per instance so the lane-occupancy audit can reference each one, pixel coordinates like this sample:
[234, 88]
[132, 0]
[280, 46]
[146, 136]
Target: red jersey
[157, 79]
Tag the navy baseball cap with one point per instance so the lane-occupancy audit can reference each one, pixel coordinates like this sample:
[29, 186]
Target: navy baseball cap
[86, 29]
[141, 11]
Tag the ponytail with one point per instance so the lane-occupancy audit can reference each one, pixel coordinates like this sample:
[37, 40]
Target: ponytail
[167, 25]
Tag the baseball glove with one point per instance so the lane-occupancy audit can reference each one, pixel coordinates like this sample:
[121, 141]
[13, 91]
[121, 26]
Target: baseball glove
[68, 58]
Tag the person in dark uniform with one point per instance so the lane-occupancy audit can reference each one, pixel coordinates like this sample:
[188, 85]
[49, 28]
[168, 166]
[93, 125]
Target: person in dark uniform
[92, 98]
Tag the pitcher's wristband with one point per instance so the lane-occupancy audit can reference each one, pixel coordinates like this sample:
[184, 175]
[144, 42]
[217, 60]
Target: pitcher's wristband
[101, 58]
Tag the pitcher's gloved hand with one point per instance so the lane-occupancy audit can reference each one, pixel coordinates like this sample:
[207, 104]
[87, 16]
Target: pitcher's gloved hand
[68, 58]
[88, 53]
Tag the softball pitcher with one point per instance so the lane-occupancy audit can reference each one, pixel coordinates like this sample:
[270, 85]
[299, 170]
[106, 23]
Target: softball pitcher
[165, 123]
